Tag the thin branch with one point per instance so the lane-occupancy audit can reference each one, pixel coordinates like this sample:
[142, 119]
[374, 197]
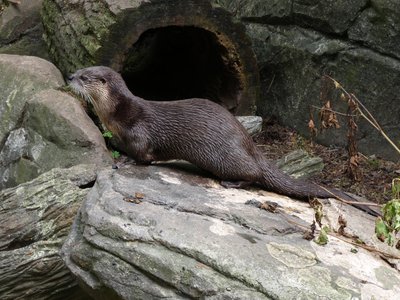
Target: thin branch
[370, 118]
[334, 111]
[270, 85]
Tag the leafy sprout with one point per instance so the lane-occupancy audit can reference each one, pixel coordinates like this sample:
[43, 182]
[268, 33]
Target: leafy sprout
[107, 134]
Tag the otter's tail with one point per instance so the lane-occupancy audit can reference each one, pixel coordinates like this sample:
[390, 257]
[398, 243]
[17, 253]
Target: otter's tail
[277, 181]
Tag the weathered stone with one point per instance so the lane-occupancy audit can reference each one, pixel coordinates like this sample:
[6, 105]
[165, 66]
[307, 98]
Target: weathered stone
[253, 124]
[162, 51]
[21, 77]
[333, 16]
[55, 132]
[293, 61]
[260, 11]
[35, 218]
[153, 232]
[21, 30]
[378, 27]
[299, 164]
[330, 16]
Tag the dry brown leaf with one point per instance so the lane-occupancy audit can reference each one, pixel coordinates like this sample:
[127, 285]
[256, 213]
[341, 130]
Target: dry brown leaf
[328, 117]
[337, 84]
[311, 127]
[342, 225]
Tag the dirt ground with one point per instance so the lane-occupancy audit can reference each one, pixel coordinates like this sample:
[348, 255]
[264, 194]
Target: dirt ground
[377, 174]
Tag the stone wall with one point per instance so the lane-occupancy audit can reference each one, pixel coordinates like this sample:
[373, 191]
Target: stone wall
[356, 42]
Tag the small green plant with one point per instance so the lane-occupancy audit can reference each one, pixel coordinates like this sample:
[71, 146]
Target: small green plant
[107, 134]
[387, 227]
[322, 238]
[115, 154]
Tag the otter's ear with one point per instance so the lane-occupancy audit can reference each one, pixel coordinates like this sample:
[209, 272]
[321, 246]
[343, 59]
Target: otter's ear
[103, 81]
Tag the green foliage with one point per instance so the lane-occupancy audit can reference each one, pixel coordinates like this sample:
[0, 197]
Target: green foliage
[115, 154]
[388, 226]
[322, 238]
[107, 134]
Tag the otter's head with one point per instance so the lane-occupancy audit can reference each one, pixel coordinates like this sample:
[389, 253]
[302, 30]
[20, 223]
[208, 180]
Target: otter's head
[95, 83]
[100, 86]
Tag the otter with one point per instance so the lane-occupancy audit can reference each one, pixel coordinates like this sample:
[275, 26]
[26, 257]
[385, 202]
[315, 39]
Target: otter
[196, 130]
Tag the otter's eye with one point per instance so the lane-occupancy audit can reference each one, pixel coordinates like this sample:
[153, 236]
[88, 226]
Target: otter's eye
[83, 78]
[102, 80]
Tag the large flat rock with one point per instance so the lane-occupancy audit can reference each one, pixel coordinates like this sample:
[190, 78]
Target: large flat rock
[160, 232]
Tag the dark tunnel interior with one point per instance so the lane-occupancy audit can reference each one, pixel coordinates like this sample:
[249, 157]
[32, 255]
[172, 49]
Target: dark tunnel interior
[178, 62]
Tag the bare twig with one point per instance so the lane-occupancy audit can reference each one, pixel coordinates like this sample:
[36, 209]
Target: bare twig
[270, 84]
[367, 115]
[334, 111]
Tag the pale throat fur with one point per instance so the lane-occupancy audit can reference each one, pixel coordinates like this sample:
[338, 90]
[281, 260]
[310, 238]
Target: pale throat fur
[99, 95]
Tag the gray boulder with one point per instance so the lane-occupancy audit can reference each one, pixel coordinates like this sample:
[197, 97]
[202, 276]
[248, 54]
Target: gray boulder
[378, 27]
[21, 29]
[155, 232]
[253, 124]
[42, 128]
[20, 78]
[299, 164]
[35, 218]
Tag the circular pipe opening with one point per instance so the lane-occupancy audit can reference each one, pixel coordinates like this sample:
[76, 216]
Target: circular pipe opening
[178, 62]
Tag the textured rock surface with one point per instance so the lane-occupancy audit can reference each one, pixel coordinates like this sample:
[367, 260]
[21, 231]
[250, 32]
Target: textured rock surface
[291, 82]
[360, 51]
[35, 218]
[162, 51]
[155, 232]
[20, 78]
[41, 128]
[21, 30]
[332, 16]
[253, 124]
[300, 164]
[378, 27]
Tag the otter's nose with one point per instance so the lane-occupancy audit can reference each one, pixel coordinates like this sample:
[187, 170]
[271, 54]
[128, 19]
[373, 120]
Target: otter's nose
[70, 77]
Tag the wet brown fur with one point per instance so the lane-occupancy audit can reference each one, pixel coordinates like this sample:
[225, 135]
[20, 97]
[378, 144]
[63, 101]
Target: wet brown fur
[197, 130]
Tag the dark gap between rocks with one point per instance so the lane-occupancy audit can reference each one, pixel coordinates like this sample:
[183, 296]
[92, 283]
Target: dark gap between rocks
[19, 243]
[88, 185]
